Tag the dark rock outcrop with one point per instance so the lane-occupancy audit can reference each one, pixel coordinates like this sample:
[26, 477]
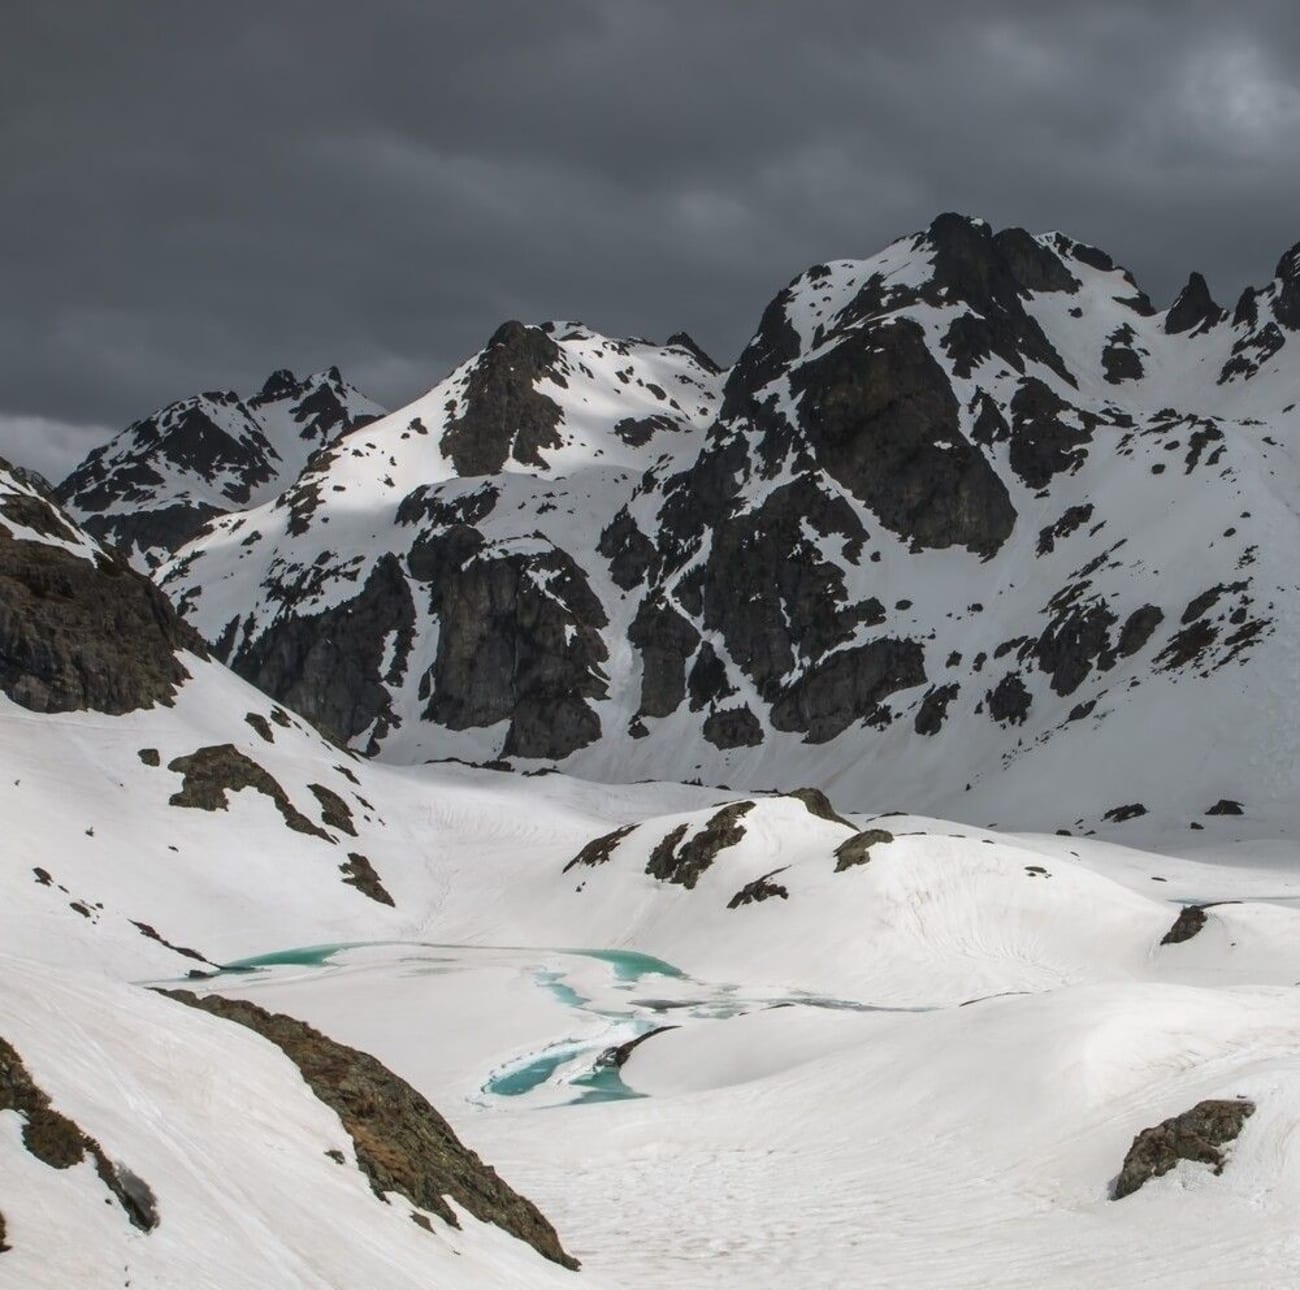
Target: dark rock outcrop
[1137, 629]
[817, 803]
[78, 634]
[402, 1144]
[761, 889]
[1198, 1134]
[600, 850]
[1226, 806]
[1190, 920]
[1009, 700]
[683, 862]
[933, 711]
[519, 642]
[881, 417]
[1048, 435]
[992, 275]
[1286, 306]
[683, 340]
[212, 772]
[335, 812]
[847, 686]
[666, 641]
[1121, 814]
[328, 666]
[503, 416]
[1194, 310]
[769, 593]
[60, 1143]
[732, 728]
[358, 872]
[857, 849]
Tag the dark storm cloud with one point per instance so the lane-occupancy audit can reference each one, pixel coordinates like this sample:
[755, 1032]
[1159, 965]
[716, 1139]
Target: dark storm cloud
[197, 194]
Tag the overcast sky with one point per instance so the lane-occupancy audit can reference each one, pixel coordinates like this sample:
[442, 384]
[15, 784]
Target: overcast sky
[196, 194]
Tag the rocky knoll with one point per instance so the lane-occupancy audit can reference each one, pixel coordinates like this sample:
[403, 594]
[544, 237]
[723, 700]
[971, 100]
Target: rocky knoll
[79, 628]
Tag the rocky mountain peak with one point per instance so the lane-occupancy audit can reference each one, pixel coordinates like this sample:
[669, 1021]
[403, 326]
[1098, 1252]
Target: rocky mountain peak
[1194, 309]
[921, 516]
[280, 384]
[502, 415]
[1286, 306]
[682, 340]
[161, 479]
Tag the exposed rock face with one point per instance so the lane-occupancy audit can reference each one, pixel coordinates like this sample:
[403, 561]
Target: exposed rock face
[1286, 306]
[504, 416]
[1122, 814]
[1048, 435]
[683, 862]
[766, 590]
[761, 889]
[732, 728]
[358, 872]
[330, 666]
[402, 1144]
[666, 641]
[334, 811]
[520, 643]
[77, 633]
[857, 849]
[684, 341]
[1197, 1135]
[59, 1142]
[212, 772]
[1190, 920]
[600, 850]
[1194, 310]
[1009, 700]
[818, 804]
[991, 275]
[934, 708]
[882, 419]
[1225, 806]
[827, 699]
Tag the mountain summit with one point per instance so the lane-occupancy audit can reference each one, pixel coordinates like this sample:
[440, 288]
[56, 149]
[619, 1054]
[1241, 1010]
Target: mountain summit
[158, 482]
[963, 518]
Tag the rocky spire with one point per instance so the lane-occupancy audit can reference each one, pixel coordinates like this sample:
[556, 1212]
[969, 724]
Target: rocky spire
[1194, 308]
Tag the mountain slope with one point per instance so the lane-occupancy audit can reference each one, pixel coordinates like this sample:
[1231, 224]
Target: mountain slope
[161, 816]
[154, 486]
[720, 1035]
[931, 530]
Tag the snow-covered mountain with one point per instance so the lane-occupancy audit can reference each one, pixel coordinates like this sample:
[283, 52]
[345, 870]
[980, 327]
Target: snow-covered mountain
[155, 485]
[969, 526]
[160, 815]
[723, 1038]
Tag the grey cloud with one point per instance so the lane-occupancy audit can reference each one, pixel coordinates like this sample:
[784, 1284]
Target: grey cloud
[199, 194]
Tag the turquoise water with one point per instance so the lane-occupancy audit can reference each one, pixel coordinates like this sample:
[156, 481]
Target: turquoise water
[555, 984]
[630, 966]
[523, 1079]
[594, 1084]
[303, 956]
[570, 1064]
[604, 1084]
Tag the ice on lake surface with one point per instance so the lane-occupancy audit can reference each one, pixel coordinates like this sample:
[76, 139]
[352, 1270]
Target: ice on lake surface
[570, 1070]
